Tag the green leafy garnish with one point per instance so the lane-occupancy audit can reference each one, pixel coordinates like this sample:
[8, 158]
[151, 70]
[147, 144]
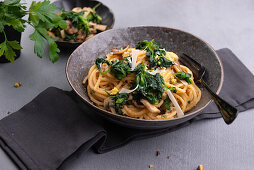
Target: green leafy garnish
[172, 89]
[119, 100]
[167, 103]
[100, 61]
[120, 69]
[96, 6]
[155, 54]
[184, 76]
[41, 18]
[150, 87]
[94, 17]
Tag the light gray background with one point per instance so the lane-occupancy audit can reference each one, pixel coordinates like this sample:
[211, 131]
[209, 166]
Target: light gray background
[222, 23]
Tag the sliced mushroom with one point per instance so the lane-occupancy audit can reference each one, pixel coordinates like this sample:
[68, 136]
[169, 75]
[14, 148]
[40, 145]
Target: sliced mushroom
[164, 96]
[85, 14]
[87, 9]
[112, 110]
[89, 36]
[93, 31]
[69, 31]
[100, 27]
[137, 105]
[106, 102]
[72, 30]
[149, 106]
[80, 32]
[81, 37]
[79, 40]
[130, 97]
[51, 34]
[68, 22]
[117, 51]
[91, 24]
[77, 10]
[62, 33]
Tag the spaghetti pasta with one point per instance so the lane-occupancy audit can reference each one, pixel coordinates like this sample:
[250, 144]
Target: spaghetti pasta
[134, 82]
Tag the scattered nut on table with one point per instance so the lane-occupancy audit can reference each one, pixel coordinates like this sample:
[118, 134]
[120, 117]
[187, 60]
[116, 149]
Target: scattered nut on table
[151, 166]
[17, 84]
[200, 167]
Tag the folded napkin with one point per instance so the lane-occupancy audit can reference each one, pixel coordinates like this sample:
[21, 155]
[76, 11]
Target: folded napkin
[53, 126]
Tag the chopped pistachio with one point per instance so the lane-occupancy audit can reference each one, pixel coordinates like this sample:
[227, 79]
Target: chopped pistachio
[114, 91]
[151, 166]
[173, 81]
[200, 167]
[17, 84]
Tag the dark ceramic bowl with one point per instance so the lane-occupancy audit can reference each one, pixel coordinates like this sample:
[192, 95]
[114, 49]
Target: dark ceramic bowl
[105, 13]
[174, 40]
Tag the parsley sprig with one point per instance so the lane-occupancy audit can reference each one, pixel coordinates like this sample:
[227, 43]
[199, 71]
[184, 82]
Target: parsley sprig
[41, 17]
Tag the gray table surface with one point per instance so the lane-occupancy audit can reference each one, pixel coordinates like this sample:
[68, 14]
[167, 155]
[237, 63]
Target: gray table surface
[222, 23]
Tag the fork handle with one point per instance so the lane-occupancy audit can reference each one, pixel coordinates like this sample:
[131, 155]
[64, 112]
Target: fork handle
[228, 112]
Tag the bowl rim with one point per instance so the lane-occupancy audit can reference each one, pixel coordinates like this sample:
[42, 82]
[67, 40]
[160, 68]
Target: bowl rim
[144, 120]
[108, 28]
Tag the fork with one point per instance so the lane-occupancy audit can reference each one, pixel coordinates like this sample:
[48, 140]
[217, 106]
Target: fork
[228, 112]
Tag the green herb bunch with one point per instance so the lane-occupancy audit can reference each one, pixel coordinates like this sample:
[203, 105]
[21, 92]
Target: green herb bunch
[119, 69]
[184, 76]
[119, 100]
[41, 17]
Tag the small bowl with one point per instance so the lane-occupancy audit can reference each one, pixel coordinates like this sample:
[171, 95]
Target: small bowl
[174, 40]
[105, 13]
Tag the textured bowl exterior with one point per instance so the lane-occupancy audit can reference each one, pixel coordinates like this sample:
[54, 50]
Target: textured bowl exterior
[105, 13]
[173, 40]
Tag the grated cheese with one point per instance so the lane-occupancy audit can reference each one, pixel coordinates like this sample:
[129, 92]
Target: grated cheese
[178, 108]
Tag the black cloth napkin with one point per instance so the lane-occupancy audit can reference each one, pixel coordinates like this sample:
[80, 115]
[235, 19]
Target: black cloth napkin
[53, 126]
